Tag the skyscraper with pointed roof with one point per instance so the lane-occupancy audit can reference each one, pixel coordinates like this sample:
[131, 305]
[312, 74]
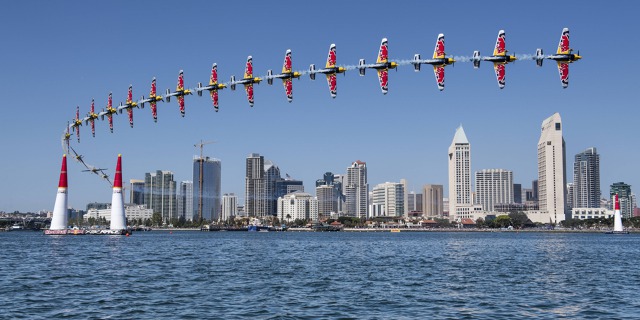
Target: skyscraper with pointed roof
[460, 205]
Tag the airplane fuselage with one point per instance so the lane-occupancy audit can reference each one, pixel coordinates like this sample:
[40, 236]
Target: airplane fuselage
[438, 62]
[384, 65]
[287, 75]
[179, 93]
[248, 80]
[565, 57]
[213, 87]
[150, 99]
[332, 70]
[500, 59]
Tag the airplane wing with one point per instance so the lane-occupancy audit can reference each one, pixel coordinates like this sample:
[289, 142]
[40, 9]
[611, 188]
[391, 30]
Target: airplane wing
[213, 80]
[333, 84]
[438, 51]
[181, 103]
[248, 69]
[288, 88]
[439, 73]
[501, 46]
[287, 65]
[214, 98]
[563, 45]
[500, 74]
[563, 69]
[154, 111]
[331, 58]
[249, 89]
[383, 77]
[383, 53]
[130, 112]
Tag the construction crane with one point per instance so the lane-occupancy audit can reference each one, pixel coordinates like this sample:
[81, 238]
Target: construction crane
[201, 160]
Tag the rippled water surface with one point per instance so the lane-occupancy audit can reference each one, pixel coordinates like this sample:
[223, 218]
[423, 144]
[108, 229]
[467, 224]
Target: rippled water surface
[320, 275]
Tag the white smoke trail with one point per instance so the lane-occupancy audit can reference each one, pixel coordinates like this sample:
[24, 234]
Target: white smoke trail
[526, 56]
[463, 58]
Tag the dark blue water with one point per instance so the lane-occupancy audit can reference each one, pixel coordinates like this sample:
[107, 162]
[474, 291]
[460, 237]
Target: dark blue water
[320, 275]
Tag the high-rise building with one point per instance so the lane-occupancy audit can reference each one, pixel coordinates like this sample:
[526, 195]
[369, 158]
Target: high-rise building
[356, 190]
[623, 191]
[206, 188]
[229, 206]
[552, 169]
[185, 200]
[387, 200]
[460, 205]
[432, 203]
[271, 176]
[494, 186]
[534, 189]
[297, 205]
[517, 193]
[136, 191]
[287, 185]
[255, 196]
[327, 196]
[160, 194]
[586, 179]
[406, 197]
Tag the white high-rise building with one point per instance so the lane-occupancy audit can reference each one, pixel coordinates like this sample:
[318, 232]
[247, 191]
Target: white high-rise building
[356, 190]
[229, 206]
[552, 169]
[297, 205]
[387, 200]
[460, 205]
[494, 186]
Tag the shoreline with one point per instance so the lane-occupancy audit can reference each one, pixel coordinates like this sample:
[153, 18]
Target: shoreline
[400, 230]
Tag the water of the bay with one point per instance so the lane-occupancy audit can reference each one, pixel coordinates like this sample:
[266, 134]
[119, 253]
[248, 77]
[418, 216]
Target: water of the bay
[499, 275]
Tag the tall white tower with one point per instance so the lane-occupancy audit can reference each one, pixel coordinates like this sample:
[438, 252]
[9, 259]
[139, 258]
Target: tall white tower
[60, 220]
[118, 220]
[552, 169]
[460, 205]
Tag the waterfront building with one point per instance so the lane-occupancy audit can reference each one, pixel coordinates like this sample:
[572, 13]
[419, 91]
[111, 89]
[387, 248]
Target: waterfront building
[185, 200]
[591, 213]
[133, 212]
[586, 180]
[551, 169]
[328, 198]
[433, 205]
[623, 191]
[338, 199]
[160, 194]
[387, 200]
[255, 197]
[356, 190]
[287, 185]
[136, 191]
[494, 186]
[460, 204]
[517, 193]
[297, 205]
[206, 190]
[229, 206]
[271, 176]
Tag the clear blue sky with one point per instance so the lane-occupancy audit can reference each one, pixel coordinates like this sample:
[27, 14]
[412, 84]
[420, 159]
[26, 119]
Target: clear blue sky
[56, 55]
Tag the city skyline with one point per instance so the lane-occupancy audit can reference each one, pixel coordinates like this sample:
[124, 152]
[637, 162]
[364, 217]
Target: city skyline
[314, 133]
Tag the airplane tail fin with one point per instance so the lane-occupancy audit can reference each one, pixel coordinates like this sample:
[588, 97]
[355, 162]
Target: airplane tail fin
[416, 62]
[269, 77]
[120, 108]
[312, 71]
[199, 90]
[142, 104]
[168, 95]
[361, 68]
[476, 59]
[232, 85]
[539, 57]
